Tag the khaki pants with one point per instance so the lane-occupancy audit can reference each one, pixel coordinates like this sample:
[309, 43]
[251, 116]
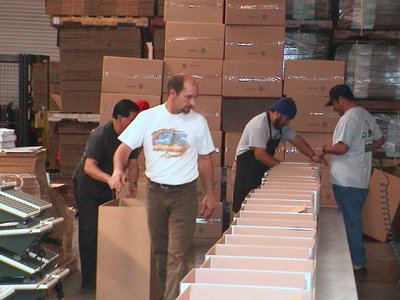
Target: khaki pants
[172, 214]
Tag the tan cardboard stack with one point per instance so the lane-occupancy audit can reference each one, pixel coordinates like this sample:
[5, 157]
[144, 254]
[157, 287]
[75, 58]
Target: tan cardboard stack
[73, 136]
[100, 7]
[81, 62]
[269, 251]
[308, 82]
[194, 44]
[132, 79]
[254, 44]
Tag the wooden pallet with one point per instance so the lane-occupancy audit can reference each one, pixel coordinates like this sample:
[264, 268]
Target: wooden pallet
[81, 117]
[366, 35]
[73, 21]
[380, 105]
[324, 25]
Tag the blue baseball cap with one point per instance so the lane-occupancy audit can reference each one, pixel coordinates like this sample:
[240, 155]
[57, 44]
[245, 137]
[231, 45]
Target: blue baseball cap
[285, 106]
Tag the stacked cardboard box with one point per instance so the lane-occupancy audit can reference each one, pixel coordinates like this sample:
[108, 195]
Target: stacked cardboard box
[100, 7]
[254, 46]
[194, 44]
[44, 83]
[269, 251]
[73, 136]
[308, 82]
[81, 60]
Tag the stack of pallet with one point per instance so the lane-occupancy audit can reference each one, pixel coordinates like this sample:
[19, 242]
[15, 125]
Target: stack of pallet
[88, 31]
[269, 251]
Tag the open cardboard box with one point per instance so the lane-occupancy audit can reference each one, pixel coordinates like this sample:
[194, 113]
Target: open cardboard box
[275, 208]
[213, 291]
[282, 241]
[266, 201]
[271, 231]
[125, 266]
[253, 278]
[277, 215]
[260, 251]
[260, 263]
[275, 222]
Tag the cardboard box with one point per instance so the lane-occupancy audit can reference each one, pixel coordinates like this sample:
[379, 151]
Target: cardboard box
[194, 40]
[207, 73]
[254, 43]
[372, 213]
[215, 291]
[243, 277]
[122, 272]
[132, 75]
[206, 11]
[258, 12]
[312, 77]
[315, 140]
[259, 263]
[252, 79]
[312, 104]
[314, 122]
[231, 141]
[108, 101]
[248, 109]
[250, 221]
[210, 108]
[271, 231]
[259, 251]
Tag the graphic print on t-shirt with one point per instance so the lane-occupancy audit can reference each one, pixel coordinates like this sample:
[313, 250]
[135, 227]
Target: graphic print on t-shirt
[170, 141]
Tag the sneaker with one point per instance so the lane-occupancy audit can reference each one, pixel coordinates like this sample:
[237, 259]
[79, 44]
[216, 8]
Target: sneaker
[359, 270]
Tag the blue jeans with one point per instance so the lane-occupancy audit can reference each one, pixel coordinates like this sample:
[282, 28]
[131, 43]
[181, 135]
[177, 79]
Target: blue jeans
[350, 201]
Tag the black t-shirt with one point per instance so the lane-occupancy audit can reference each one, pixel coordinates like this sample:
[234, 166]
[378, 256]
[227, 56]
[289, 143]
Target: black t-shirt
[101, 146]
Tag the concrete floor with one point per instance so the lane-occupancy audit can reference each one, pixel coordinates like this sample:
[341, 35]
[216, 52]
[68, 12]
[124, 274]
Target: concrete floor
[380, 283]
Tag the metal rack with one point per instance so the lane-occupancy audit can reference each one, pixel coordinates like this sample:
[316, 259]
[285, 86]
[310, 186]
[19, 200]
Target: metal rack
[15, 75]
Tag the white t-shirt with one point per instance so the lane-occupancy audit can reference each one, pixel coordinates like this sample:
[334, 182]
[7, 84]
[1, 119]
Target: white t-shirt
[256, 134]
[171, 143]
[357, 129]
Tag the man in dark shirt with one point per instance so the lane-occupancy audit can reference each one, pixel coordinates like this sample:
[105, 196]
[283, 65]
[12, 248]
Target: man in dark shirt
[91, 180]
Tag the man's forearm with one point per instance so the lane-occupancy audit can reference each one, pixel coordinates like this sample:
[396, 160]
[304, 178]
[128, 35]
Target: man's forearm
[206, 173]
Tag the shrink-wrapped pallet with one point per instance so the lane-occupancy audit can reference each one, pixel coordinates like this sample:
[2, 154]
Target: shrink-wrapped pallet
[372, 71]
[307, 9]
[306, 45]
[369, 14]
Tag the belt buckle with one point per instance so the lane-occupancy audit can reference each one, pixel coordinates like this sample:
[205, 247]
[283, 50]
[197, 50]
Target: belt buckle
[163, 186]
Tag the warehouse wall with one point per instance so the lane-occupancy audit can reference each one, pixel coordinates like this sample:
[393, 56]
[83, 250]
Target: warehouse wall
[25, 28]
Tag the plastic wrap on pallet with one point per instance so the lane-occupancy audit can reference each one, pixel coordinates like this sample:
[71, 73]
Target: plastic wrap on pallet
[307, 9]
[372, 71]
[390, 127]
[306, 45]
[369, 14]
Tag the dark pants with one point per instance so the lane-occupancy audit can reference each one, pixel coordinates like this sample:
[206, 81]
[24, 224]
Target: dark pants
[88, 220]
[172, 219]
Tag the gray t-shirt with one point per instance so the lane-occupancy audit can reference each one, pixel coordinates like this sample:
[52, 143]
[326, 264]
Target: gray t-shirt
[256, 134]
[357, 129]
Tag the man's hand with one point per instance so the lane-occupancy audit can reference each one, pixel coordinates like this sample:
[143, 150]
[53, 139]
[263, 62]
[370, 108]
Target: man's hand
[319, 159]
[117, 180]
[132, 189]
[208, 206]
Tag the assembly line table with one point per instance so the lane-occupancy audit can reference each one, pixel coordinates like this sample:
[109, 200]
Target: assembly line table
[334, 273]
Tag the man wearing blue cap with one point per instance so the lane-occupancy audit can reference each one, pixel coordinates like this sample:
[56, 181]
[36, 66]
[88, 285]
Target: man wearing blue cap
[256, 149]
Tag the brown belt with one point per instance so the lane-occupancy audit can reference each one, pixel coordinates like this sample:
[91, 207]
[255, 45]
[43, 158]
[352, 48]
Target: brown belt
[171, 186]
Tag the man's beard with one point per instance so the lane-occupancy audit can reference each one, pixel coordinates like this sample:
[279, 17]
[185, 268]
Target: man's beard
[186, 110]
[277, 123]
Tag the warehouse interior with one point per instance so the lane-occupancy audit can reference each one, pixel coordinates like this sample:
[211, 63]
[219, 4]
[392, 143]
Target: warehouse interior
[65, 64]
